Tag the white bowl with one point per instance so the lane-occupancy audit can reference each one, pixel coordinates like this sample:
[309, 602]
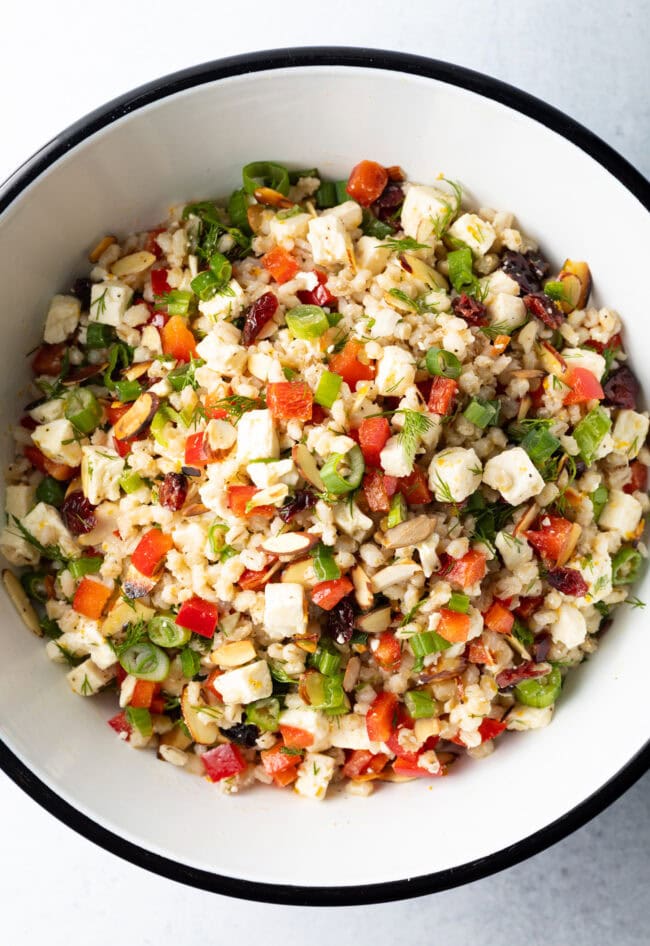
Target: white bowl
[187, 136]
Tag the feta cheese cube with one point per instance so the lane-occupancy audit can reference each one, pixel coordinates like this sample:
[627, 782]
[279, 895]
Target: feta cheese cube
[585, 358]
[18, 501]
[596, 569]
[498, 282]
[260, 365]
[269, 474]
[221, 434]
[349, 518]
[57, 441]
[476, 233]
[514, 475]
[246, 684]
[507, 311]
[349, 213]
[454, 474]
[151, 340]
[329, 241]
[257, 437]
[227, 360]
[62, 319]
[108, 302]
[522, 718]
[350, 732]
[630, 432]
[227, 304]
[101, 469]
[49, 411]
[621, 514]
[570, 627]
[393, 459]
[310, 721]
[314, 775]
[285, 610]
[514, 550]
[88, 679]
[286, 230]
[396, 371]
[427, 551]
[371, 254]
[422, 210]
[384, 322]
[46, 525]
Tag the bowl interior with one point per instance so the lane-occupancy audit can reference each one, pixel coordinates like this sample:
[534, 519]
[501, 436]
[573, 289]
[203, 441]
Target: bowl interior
[192, 145]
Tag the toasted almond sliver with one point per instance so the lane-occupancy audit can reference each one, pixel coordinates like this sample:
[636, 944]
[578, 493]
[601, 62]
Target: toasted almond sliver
[21, 602]
[526, 519]
[133, 263]
[101, 247]
[233, 655]
[272, 198]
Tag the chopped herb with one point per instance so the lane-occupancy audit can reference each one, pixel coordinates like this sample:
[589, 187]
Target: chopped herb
[289, 750]
[236, 405]
[53, 552]
[184, 376]
[73, 659]
[635, 602]
[404, 245]
[416, 425]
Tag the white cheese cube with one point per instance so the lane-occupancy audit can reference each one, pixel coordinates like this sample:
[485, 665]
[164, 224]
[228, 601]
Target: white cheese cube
[285, 610]
[382, 324]
[514, 550]
[522, 718]
[630, 432]
[621, 514]
[498, 282]
[62, 319]
[88, 679]
[269, 474]
[151, 340]
[260, 365]
[585, 358]
[570, 627]
[329, 240]
[57, 441]
[221, 434]
[393, 459]
[371, 254]
[476, 233]
[227, 360]
[427, 551]
[101, 469]
[396, 371]
[424, 207]
[227, 304]
[257, 437]
[506, 311]
[246, 684]
[455, 474]
[349, 518]
[596, 569]
[349, 213]
[350, 732]
[314, 775]
[46, 525]
[19, 499]
[108, 302]
[514, 475]
[310, 721]
[49, 411]
[286, 230]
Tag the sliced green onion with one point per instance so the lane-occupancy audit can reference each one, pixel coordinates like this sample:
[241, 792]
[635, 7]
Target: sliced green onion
[420, 704]
[146, 662]
[327, 659]
[482, 413]
[278, 672]
[264, 714]
[461, 275]
[238, 210]
[341, 192]
[458, 602]
[326, 195]
[373, 227]
[140, 718]
[522, 633]
[206, 285]
[128, 390]
[130, 481]
[599, 499]
[82, 409]
[327, 389]
[294, 176]
[334, 318]
[427, 642]
[626, 565]
[50, 627]
[216, 537]
[265, 174]
[326, 693]
[397, 511]
[221, 266]
[590, 433]
[165, 632]
[190, 662]
[50, 491]
[85, 566]
[34, 585]
[118, 354]
[443, 363]
[163, 416]
[541, 691]
[307, 321]
[178, 301]
[325, 567]
[334, 481]
[540, 444]
[99, 335]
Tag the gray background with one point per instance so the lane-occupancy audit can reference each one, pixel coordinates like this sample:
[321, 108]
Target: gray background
[592, 61]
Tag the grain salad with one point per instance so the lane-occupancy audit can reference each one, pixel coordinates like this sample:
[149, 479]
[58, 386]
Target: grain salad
[328, 483]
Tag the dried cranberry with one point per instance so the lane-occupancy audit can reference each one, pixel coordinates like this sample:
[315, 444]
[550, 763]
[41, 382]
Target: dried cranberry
[78, 514]
[257, 315]
[302, 499]
[567, 580]
[81, 289]
[245, 734]
[541, 647]
[527, 270]
[473, 311]
[543, 308]
[49, 360]
[525, 671]
[173, 491]
[388, 203]
[622, 388]
[340, 621]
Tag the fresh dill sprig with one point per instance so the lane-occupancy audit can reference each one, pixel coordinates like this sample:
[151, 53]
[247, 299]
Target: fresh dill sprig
[416, 425]
[443, 224]
[498, 328]
[635, 602]
[72, 659]
[53, 552]
[443, 489]
[236, 405]
[134, 633]
[100, 302]
[416, 305]
[403, 245]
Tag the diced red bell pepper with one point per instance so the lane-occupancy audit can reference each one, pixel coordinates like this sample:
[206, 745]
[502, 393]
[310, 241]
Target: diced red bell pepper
[151, 245]
[551, 539]
[159, 284]
[197, 450]
[414, 488]
[490, 729]
[199, 616]
[177, 339]
[441, 396]
[295, 738]
[327, 594]
[58, 471]
[91, 598]
[638, 478]
[362, 761]
[373, 434]
[150, 552]
[381, 719]
[286, 778]
[275, 761]
[120, 724]
[223, 762]
[584, 386]
[143, 693]
[478, 653]
[378, 490]
[348, 364]
[453, 626]
[387, 651]
[289, 399]
[407, 765]
[280, 264]
[318, 296]
[367, 182]
[498, 618]
[615, 342]
[240, 496]
[469, 569]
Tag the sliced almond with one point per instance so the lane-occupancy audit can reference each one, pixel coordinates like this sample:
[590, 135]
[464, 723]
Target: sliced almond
[394, 575]
[272, 198]
[409, 533]
[124, 613]
[307, 466]
[135, 371]
[302, 573]
[202, 731]
[351, 675]
[133, 263]
[138, 417]
[73, 486]
[21, 602]
[374, 622]
[269, 496]
[235, 654]
[571, 542]
[526, 519]
[362, 588]
[176, 739]
[101, 248]
[420, 270]
[255, 214]
[427, 727]
[446, 669]
[195, 509]
[403, 306]
[83, 374]
[524, 406]
[290, 545]
[137, 585]
[172, 755]
[580, 270]
[308, 644]
[552, 360]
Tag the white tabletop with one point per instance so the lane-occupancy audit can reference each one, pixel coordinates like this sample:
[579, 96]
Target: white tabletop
[60, 60]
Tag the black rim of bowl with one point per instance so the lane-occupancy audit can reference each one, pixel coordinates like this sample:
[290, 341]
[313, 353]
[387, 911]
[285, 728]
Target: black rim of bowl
[294, 58]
